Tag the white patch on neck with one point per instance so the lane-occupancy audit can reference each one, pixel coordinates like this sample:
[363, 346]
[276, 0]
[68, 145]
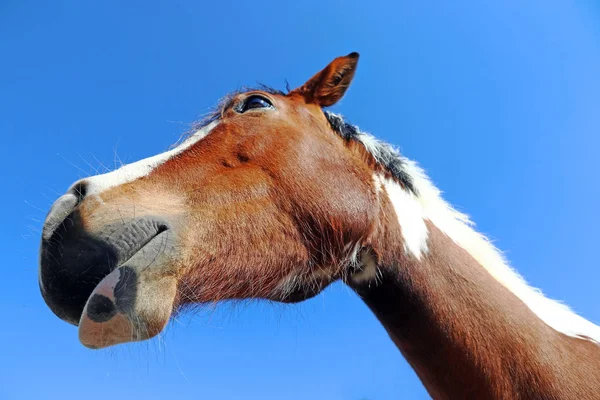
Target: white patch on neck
[413, 210]
[410, 215]
[130, 172]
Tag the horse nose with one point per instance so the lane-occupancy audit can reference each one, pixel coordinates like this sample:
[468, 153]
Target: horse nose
[72, 261]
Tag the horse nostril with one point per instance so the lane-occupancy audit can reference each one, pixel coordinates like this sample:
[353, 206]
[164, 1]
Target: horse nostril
[58, 213]
[79, 189]
[63, 207]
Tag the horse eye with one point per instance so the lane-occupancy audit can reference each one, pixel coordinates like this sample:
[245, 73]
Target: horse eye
[255, 102]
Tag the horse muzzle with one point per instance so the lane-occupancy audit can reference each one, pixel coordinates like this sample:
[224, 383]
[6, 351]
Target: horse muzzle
[115, 281]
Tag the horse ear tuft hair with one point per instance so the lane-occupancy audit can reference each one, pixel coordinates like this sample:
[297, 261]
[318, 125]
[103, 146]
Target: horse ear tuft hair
[329, 85]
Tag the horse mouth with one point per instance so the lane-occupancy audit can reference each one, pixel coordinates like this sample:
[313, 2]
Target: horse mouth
[73, 261]
[140, 254]
[135, 301]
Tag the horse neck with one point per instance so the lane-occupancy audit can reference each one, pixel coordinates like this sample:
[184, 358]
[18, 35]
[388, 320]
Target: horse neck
[464, 333]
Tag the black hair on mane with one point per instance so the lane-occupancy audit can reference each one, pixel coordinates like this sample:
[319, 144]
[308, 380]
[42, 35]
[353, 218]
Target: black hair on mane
[385, 155]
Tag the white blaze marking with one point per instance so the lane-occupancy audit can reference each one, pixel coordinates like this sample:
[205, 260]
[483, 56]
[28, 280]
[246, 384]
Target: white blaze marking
[130, 172]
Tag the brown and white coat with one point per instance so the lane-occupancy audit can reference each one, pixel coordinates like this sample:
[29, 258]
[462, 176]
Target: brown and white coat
[275, 198]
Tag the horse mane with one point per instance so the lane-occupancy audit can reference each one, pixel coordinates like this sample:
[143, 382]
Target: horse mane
[459, 227]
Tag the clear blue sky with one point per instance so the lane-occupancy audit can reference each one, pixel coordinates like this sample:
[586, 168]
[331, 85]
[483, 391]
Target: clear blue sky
[499, 102]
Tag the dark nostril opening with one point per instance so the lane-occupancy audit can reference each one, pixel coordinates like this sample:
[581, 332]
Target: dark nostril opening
[161, 229]
[63, 207]
[80, 190]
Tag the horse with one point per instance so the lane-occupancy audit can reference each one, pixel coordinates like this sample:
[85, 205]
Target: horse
[274, 197]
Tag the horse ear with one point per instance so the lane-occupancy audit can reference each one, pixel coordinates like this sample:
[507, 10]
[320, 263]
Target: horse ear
[328, 86]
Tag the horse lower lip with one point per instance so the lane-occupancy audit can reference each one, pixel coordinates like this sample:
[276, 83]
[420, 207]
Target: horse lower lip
[135, 301]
